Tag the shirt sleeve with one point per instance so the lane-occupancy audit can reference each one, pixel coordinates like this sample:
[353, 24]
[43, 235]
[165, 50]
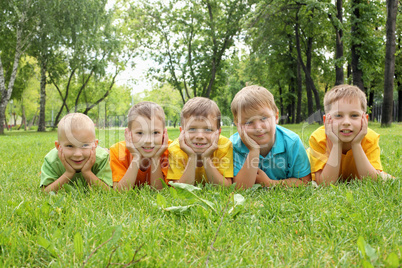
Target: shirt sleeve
[118, 163]
[300, 165]
[101, 168]
[373, 151]
[225, 165]
[50, 171]
[317, 153]
[177, 162]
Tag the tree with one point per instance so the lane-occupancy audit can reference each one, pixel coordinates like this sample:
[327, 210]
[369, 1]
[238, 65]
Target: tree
[92, 45]
[392, 9]
[18, 22]
[190, 39]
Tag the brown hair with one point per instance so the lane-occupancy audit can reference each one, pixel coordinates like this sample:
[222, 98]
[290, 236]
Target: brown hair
[252, 98]
[146, 109]
[75, 121]
[201, 107]
[348, 92]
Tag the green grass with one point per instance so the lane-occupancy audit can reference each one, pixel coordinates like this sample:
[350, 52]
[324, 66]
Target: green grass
[307, 226]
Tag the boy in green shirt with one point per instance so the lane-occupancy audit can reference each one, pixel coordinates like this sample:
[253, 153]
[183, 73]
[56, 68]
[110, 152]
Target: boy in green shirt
[76, 158]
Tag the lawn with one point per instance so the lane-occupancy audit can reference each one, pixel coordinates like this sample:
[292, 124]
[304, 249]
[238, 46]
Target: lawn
[356, 224]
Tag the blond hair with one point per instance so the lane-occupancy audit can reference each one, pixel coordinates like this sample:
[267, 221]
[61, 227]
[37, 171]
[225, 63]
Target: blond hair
[201, 107]
[347, 92]
[146, 109]
[252, 98]
[75, 122]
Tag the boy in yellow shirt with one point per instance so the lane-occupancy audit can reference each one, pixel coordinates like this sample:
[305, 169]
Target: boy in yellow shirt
[344, 148]
[201, 154]
[142, 157]
[77, 157]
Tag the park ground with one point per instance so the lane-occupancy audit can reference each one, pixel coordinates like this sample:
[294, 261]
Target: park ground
[356, 224]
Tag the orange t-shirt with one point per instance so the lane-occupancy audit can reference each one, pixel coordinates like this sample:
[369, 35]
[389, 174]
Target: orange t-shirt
[120, 160]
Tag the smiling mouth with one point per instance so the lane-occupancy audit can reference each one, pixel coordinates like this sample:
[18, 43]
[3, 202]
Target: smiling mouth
[78, 162]
[148, 149]
[200, 145]
[346, 132]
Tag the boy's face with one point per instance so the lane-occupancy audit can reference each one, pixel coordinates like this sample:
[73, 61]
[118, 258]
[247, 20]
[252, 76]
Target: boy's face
[347, 118]
[199, 132]
[76, 146]
[147, 135]
[259, 125]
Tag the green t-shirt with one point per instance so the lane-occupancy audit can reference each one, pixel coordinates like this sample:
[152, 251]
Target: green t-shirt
[52, 169]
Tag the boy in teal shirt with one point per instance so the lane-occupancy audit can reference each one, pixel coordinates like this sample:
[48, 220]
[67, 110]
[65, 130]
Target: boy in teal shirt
[263, 152]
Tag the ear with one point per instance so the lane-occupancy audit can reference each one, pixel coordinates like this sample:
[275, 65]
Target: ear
[57, 144]
[181, 129]
[367, 116]
[220, 131]
[323, 117]
[96, 142]
[277, 118]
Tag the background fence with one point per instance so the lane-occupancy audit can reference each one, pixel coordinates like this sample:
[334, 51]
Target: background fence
[376, 112]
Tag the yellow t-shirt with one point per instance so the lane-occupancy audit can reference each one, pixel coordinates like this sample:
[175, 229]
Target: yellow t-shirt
[318, 153]
[222, 159]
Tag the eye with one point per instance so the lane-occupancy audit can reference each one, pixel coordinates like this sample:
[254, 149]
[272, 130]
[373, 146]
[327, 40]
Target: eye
[69, 146]
[337, 115]
[139, 132]
[264, 118]
[248, 123]
[191, 129]
[85, 145]
[208, 130]
[355, 115]
[156, 132]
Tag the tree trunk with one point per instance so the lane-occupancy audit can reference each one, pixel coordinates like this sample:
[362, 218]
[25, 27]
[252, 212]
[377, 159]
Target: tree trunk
[299, 93]
[357, 72]
[42, 112]
[399, 102]
[280, 104]
[309, 80]
[23, 119]
[339, 46]
[387, 108]
[370, 102]
[6, 93]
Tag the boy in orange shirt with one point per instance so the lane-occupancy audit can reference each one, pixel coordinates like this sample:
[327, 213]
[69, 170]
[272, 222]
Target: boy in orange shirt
[142, 157]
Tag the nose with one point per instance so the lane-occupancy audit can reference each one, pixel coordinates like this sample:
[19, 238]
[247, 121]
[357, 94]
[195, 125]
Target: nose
[147, 139]
[77, 152]
[199, 134]
[346, 121]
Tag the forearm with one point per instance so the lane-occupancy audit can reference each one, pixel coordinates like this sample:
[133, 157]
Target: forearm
[92, 179]
[292, 182]
[363, 165]
[247, 175]
[156, 174]
[213, 174]
[188, 175]
[330, 172]
[129, 179]
[57, 184]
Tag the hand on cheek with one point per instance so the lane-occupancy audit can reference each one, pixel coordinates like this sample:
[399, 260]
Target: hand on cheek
[363, 130]
[331, 130]
[249, 142]
[184, 145]
[90, 161]
[67, 166]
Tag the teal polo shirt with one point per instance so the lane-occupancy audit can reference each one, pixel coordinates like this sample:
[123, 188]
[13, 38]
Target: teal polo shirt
[287, 158]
